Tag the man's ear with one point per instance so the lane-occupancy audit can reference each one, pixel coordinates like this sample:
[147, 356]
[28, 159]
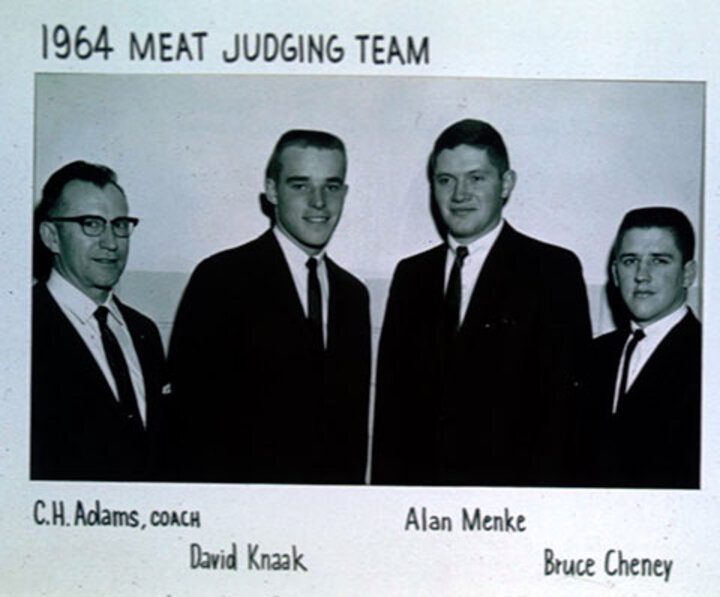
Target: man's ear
[689, 273]
[508, 184]
[49, 236]
[271, 191]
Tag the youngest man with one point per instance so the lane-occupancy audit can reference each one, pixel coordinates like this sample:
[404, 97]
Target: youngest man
[645, 381]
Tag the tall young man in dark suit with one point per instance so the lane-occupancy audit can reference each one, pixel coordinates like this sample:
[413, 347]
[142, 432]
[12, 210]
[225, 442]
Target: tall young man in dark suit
[97, 364]
[481, 334]
[644, 386]
[270, 352]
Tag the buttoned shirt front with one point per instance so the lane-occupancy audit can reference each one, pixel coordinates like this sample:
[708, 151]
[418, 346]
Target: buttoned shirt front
[296, 259]
[478, 251]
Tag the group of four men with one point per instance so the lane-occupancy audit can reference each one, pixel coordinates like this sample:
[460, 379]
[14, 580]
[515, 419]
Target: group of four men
[485, 375]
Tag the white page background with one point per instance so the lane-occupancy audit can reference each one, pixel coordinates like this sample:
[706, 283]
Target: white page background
[353, 538]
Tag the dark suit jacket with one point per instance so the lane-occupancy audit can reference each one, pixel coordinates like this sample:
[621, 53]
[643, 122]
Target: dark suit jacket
[256, 402]
[654, 438]
[496, 406]
[78, 430]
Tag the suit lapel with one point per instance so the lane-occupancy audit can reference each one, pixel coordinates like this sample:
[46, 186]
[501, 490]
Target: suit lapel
[77, 351]
[490, 287]
[140, 340]
[280, 293]
[280, 289]
[610, 370]
[672, 352]
[336, 303]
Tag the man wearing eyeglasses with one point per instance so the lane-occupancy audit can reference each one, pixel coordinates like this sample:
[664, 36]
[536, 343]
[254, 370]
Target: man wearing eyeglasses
[97, 364]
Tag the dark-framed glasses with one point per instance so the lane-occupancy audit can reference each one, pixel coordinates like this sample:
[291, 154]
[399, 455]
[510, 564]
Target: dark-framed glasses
[95, 225]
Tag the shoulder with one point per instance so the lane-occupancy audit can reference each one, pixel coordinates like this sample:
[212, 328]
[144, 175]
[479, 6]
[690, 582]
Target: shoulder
[41, 299]
[136, 319]
[607, 348]
[685, 337]
[609, 339]
[422, 262]
[537, 251]
[46, 312]
[221, 270]
[245, 254]
[691, 324]
[340, 276]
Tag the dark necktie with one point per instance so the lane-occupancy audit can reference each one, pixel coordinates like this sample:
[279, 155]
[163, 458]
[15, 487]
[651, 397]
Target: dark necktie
[119, 369]
[314, 303]
[637, 335]
[453, 294]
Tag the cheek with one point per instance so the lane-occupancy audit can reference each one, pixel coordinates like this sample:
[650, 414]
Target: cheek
[75, 252]
[441, 194]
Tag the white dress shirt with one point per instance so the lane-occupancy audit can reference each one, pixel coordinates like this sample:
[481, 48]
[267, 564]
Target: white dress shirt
[296, 259]
[654, 334]
[477, 254]
[80, 309]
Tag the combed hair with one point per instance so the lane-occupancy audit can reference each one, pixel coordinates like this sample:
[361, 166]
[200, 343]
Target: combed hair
[660, 217]
[301, 138]
[475, 133]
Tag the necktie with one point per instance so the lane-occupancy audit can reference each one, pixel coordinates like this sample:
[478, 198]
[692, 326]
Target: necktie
[119, 369]
[636, 337]
[315, 303]
[453, 294]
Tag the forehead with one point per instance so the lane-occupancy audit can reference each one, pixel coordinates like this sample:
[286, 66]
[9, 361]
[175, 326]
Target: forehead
[296, 160]
[463, 158]
[80, 197]
[649, 240]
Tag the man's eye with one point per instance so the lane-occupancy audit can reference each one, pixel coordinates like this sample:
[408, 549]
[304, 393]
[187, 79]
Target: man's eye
[298, 186]
[442, 180]
[628, 261]
[477, 178]
[93, 223]
[661, 261]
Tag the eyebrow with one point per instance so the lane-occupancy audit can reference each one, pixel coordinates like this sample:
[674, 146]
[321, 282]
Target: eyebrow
[479, 170]
[306, 178]
[631, 254]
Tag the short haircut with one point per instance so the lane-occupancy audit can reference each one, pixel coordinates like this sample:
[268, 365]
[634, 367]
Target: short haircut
[660, 217]
[475, 133]
[96, 174]
[301, 138]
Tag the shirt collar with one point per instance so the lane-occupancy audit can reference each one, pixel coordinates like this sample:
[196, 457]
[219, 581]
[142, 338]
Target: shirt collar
[76, 302]
[484, 243]
[659, 328]
[294, 254]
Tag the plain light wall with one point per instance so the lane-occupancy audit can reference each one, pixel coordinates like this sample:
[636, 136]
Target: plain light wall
[191, 150]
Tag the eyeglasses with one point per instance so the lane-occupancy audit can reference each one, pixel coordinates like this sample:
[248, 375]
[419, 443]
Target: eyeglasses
[95, 225]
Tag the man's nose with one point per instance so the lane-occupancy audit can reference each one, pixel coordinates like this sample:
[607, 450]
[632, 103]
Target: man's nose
[108, 240]
[317, 199]
[460, 192]
[642, 271]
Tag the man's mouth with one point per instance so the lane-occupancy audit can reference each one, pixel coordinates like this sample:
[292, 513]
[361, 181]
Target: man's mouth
[316, 219]
[462, 211]
[641, 294]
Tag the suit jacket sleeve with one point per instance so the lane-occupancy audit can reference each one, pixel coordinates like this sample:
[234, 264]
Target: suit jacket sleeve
[195, 363]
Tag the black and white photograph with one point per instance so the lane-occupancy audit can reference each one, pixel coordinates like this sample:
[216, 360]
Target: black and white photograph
[386, 281]
[359, 298]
